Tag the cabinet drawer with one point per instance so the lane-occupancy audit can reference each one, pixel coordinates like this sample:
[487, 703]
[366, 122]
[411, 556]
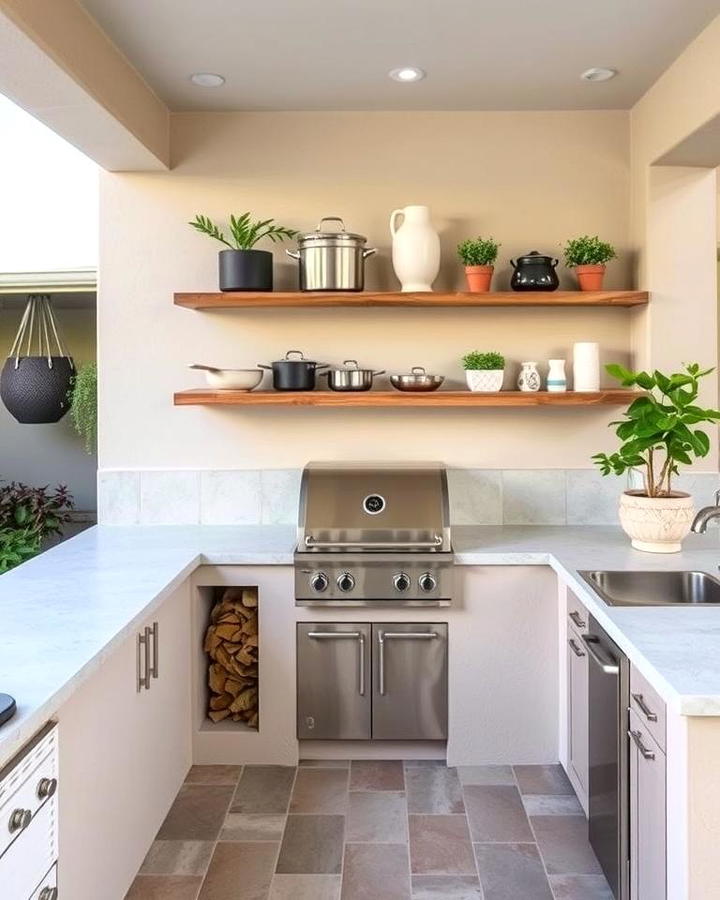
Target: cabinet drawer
[30, 856]
[27, 783]
[646, 703]
[45, 888]
[577, 614]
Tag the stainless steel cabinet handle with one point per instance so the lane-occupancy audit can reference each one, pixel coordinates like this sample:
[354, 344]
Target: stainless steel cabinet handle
[152, 635]
[637, 737]
[396, 635]
[356, 636]
[577, 619]
[644, 708]
[46, 788]
[599, 654]
[574, 647]
[370, 545]
[19, 820]
[143, 661]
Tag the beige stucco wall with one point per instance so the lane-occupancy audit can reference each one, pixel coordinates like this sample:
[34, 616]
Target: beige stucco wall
[530, 179]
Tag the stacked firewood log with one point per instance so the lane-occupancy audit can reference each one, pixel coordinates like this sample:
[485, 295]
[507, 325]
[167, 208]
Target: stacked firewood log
[231, 642]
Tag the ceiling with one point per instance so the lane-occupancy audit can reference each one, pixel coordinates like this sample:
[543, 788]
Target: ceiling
[335, 54]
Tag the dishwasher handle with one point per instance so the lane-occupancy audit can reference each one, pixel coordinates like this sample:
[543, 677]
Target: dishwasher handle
[600, 655]
[356, 636]
[397, 635]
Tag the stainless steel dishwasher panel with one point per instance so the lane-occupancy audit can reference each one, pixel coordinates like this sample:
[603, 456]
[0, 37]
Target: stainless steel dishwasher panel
[333, 681]
[410, 683]
[608, 695]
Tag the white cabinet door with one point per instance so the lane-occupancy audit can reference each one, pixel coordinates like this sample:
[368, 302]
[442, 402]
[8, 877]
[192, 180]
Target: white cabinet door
[647, 814]
[123, 756]
[577, 716]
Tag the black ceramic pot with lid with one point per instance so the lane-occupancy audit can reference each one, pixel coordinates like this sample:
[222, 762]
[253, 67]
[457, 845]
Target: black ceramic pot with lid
[534, 272]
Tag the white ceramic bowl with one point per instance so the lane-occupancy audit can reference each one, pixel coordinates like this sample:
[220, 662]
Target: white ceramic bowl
[234, 379]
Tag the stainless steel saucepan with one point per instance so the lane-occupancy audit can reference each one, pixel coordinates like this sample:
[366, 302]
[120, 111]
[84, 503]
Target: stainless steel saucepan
[331, 260]
[417, 380]
[351, 377]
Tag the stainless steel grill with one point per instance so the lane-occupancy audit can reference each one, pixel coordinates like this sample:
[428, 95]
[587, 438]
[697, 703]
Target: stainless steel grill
[372, 534]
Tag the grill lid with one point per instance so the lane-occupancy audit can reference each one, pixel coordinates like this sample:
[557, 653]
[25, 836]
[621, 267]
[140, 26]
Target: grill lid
[356, 506]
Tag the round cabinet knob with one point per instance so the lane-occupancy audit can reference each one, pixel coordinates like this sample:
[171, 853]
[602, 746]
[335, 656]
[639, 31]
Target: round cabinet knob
[427, 582]
[19, 820]
[48, 893]
[46, 788]
[319, 582]
[345, 582]
[401, 582]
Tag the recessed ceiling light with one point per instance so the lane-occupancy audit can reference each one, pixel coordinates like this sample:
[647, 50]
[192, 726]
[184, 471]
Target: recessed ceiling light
[406, 74]
[598, 73]
[207, 79]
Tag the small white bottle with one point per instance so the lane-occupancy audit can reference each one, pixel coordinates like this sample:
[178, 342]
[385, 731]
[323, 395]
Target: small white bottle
[556, 380]
[586, 366]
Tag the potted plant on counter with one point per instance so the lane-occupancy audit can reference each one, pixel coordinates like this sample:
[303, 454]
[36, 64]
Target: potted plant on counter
[658, 433]
[588, 256]
[484, 371]
[242, 268]
[479, 257]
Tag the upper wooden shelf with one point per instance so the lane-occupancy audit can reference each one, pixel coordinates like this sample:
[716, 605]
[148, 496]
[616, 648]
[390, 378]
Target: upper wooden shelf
[208, 397]
[300, 299]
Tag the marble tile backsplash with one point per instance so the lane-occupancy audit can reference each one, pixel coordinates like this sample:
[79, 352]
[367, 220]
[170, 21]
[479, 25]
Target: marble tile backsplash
[270, 496]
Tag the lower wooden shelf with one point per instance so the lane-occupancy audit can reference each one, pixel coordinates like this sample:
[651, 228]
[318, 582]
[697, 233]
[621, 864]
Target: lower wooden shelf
[203, 397]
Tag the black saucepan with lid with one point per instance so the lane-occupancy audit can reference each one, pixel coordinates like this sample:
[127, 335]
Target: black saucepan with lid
[294, 372]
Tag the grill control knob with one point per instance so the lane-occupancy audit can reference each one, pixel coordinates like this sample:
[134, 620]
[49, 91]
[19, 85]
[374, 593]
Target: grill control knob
[427, 582]
[319, 582]
[401, 582]
[345, 582]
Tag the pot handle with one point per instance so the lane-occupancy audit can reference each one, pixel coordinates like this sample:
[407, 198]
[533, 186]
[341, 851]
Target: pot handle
[261, 366]
[379, 372]
[512, 261]
[393, 215]
[299, 353]
[418, 370]
[330, 219]
[347, 362]
[555, 262]
[369, 252]
[293, 254]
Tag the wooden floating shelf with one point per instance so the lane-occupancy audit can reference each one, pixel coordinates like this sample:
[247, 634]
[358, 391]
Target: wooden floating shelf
[310, 299]
[203, 397]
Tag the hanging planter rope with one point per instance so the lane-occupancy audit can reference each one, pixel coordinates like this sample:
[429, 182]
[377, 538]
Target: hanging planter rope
[35, 387]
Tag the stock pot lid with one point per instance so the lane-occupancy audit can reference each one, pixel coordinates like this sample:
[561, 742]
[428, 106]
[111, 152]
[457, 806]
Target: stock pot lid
[339, 236]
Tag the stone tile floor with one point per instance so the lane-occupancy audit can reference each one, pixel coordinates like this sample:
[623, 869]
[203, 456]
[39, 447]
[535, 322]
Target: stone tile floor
[372, 830]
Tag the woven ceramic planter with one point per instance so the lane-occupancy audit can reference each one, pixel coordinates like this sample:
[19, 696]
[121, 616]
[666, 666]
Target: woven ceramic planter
[656, 524]
[484, 380]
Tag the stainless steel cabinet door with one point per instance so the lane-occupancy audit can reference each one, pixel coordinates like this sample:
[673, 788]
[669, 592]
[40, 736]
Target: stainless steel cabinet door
[410, 681]
[647, 814]
[333, 680]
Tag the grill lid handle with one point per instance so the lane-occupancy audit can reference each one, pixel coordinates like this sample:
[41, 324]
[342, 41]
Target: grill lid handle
[385, 545]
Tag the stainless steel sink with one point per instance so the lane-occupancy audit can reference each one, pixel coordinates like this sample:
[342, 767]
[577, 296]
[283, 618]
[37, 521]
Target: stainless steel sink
[654, 588]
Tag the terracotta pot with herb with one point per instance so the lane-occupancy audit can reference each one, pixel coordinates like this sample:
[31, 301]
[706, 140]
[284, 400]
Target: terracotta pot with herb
[479, 257]
[659, 433]
[588, 256]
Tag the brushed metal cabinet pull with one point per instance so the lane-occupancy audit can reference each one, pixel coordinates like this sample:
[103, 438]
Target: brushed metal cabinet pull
[599, 654]
[396, 635]
[577, 619]
[19, 820]
[574, 647]
[143, 661]
[637, 737]
[644, 708]
[48, 893]
[154, 634]
[354, 635]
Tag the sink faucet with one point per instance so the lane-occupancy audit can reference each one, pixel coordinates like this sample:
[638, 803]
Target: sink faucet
[705, 515]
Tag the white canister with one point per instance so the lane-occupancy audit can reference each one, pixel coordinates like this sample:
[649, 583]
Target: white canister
[556, 379]
[586, 366]
[529, 378]
[415, 248]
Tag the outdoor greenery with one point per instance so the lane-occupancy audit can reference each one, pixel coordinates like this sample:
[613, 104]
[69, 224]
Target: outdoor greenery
[244, 232]
[83, 405]
[658, 432]
[489, 362]
[588, 251]
[478, 252]
[27, 516]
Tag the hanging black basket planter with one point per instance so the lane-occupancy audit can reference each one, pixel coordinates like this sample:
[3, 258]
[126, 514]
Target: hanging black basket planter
[36, 388]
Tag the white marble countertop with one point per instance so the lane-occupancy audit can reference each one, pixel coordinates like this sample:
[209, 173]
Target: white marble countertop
[63, 612]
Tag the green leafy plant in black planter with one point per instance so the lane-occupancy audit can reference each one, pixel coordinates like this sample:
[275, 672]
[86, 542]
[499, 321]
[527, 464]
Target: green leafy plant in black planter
[658, 434]
[241, 267]
[588, 255]
[484, 371]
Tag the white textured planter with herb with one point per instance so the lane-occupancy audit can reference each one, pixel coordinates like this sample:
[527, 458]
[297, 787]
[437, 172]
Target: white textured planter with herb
[484, 372]
[659, 434]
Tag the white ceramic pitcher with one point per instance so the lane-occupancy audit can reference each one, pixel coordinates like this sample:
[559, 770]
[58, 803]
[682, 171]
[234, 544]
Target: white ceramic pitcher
[415, 248]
